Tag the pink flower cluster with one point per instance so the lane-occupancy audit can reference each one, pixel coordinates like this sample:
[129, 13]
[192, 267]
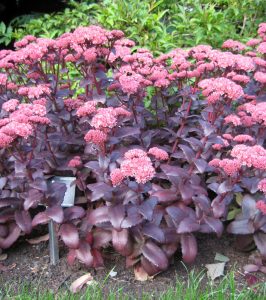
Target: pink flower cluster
[260, 77]
[250, 156]
[158, 153]
[229, 166]
[262, 186]
[72, 104]
[234, 45]
[261, 205]
[75, 162]
[34, 91]
[21, 121]
[3, 79]
[96, 137]
[86, 109]
[215, 88]
[136, 164]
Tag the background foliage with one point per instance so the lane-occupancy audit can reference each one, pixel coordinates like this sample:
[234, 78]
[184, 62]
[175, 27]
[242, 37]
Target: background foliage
[159, 25]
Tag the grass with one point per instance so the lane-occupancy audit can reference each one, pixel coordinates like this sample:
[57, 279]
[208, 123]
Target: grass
[194, 288]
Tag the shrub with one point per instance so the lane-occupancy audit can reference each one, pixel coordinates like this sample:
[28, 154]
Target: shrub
[159, 25]
[150, 178]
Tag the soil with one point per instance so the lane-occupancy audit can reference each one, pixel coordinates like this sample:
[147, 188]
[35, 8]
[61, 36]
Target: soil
[31, 265]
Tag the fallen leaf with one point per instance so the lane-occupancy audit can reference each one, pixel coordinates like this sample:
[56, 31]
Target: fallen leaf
[77, 285]
[7, 268]
[3, 256]
[38, 239]
[251, 279]
[215, 270]
[251, 268]
[221, 257]
[141, 274]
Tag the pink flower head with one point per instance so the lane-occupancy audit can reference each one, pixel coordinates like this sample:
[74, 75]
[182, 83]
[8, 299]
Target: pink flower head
[227, 136]
[253, 42]
[105, 118]
[86, 109]
[15, 129]
[260, 77]
[261, 205]
[232, 119]
[214, 88]
[230, 166]
[120, 111]
[242, 138]
[72, 104]
[96, 137]
[5, 140]
[241, 78]
[250, 155]
[262, 31]
[215, 163]
[234, 45]
[39, 120]
[262, 185]
[90, 55]
[262, 48]
[117, 176]
[138, 165]
[75, 162]
[10, 105]
[158, 153]
[3, 79]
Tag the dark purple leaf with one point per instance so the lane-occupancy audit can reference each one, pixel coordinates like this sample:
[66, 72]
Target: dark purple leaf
[147, 207]
[74, 212]
[23, 220]
[189, 247]
[69, 235]
[170, 249]
[99, 215]
[55, 213]
[241, 227]
[13, 235]
[188, 152]
[215, 224]
[40, 218]
[165, 196]
[173, 170]
[224, 187]
[154, 232]
[126, 131]
[149, 267]
[3, 231]
[34, 197]
[248, 206]
[203, 202]
[116, 215]
[188, 225]
[121, 242]
[9, 201]
[201, 165]
[3, 181]
[155, 255]
[260, 241]
[131, 220]
[83, 253]
[101, 238]
[176, 214]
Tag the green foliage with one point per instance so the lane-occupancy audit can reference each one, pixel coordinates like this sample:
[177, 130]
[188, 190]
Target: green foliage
[142, 21]
[5, 34]
[55, 24]
[159, 25]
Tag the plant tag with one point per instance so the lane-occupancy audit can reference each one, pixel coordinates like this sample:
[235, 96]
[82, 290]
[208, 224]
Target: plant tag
[69, 198]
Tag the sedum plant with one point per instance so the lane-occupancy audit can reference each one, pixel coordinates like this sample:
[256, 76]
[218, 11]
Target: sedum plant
[148, 178]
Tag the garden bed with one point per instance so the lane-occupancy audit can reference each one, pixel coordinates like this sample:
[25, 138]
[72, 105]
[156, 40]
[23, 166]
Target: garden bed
[31, 266]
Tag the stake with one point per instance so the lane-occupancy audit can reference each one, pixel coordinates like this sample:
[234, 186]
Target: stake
[53, 244]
